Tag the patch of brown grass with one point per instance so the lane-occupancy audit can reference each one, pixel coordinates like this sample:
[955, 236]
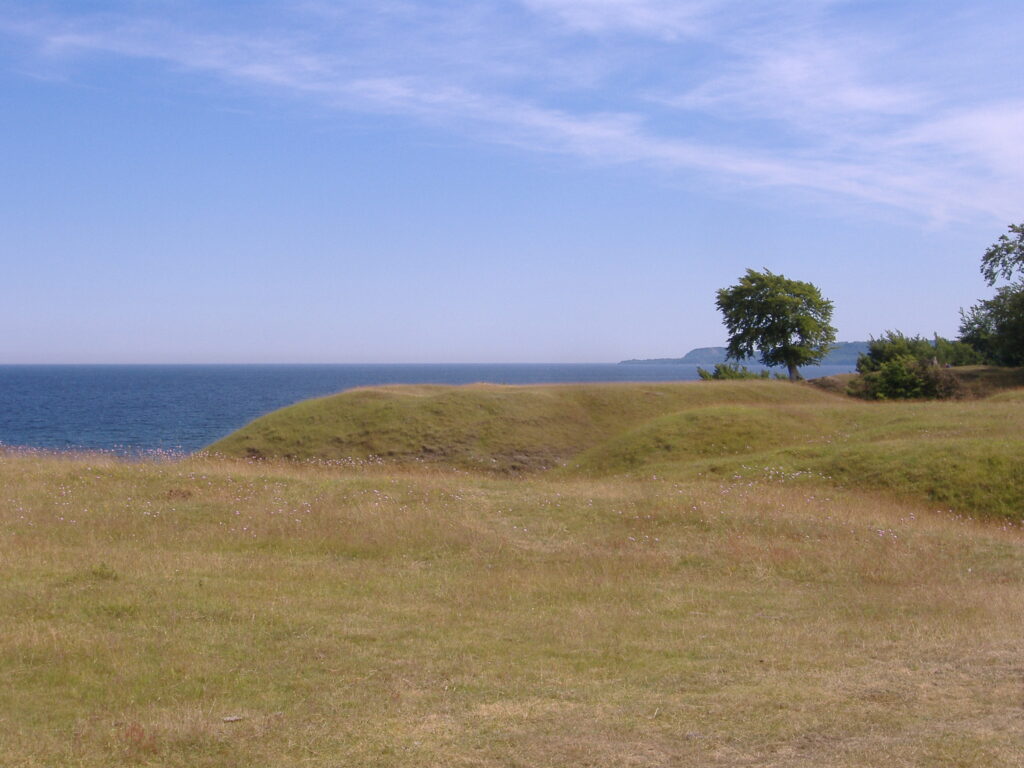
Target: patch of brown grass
[303, 615]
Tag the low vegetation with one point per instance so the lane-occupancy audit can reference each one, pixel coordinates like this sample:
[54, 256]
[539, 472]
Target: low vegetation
[727, 371]
[899, 367]
[938, 351]
[728, 574]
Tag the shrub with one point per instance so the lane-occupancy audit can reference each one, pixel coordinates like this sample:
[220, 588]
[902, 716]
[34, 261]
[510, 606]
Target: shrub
[894, 345]
[906, 377]
[956, 353]
[729, 371]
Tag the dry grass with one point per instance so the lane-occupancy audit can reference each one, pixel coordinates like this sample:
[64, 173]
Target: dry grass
[413, 616]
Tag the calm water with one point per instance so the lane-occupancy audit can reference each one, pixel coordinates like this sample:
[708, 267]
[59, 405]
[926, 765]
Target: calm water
[131, 408]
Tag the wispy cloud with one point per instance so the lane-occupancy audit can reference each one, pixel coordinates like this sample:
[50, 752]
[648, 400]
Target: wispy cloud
[660, 18]
[755, 94]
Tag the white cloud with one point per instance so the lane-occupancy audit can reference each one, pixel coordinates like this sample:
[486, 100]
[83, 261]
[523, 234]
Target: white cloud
[661, 18]
[779, 100]
[991, 136]
[795, 81]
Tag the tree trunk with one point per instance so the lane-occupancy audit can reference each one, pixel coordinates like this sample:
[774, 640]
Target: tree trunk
[794, 374]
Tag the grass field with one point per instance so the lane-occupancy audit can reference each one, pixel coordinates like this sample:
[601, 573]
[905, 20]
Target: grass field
[959, 455]
[655, 598]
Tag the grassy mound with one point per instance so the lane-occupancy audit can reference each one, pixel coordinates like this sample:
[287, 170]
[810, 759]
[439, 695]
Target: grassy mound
[484, 426]
[986, 380]
[716, 432]
[959, 456]
[1010, 396]
[964, 457]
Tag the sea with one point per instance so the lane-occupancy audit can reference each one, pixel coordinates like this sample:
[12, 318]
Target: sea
[178, 409]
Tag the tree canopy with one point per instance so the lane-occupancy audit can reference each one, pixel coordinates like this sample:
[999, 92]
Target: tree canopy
[995, 327]
[1005, 256]
[785, 322]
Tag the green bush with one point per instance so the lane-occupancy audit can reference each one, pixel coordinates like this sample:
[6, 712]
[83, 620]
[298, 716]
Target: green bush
[956, 353]
[905, 377]
[893, 345]
[729, 371]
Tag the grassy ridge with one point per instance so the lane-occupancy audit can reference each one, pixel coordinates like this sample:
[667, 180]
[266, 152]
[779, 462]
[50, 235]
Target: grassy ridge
[964, 457]
[221, 613]
[961, 456]
[480, 426]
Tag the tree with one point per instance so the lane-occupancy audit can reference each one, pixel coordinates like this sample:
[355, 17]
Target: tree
[995, 328]
[785, 321]
[1005, 256]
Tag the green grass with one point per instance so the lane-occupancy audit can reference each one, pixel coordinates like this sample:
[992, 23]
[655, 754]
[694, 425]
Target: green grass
[480, 426]
[961, 456]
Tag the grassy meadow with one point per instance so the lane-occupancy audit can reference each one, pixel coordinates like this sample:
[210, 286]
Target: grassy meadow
[712, 574]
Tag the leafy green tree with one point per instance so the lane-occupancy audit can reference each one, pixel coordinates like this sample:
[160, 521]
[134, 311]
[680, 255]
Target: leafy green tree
[1005, 256]
[785, 322]
[995, 328]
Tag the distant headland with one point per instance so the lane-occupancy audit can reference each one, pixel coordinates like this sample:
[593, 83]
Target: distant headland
[843, 353]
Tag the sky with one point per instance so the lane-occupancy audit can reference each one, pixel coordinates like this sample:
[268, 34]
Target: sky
[373, 181]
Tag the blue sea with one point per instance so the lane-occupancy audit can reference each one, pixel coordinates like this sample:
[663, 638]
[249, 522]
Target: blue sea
[133, 409]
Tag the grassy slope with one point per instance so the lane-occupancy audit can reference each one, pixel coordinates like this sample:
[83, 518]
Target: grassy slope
[985, 380]
[482, 425]
[963, 456]
[411, 616]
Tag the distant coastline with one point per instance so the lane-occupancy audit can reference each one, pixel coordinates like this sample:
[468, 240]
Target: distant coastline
[844, 353]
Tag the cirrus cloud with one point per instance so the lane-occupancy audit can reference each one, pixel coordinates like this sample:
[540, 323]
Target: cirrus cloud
[762, 94]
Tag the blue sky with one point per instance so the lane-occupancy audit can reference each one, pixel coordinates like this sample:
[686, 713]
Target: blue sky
[515, 180]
